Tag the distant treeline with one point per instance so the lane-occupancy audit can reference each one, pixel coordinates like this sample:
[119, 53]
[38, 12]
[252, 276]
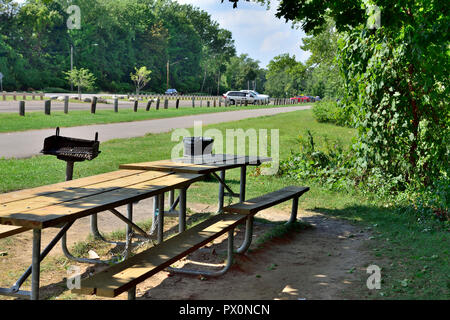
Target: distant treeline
[115, 37]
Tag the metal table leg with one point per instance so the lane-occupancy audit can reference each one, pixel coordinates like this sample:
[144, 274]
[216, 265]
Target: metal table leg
[212, 273]
[293, 217]
[248, 236]
[160, 218]
[249, 223]
[171, 197]
[221, 192]
[182, 211]
[36, 264]
[242, 184]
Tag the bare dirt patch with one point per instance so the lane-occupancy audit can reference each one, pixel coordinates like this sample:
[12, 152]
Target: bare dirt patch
[327, 261]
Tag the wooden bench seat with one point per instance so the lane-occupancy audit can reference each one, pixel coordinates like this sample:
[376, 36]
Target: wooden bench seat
[7, 231]
[126, 275]
[253, 206]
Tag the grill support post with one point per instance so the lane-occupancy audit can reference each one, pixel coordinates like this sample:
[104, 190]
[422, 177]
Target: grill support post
[69, 170]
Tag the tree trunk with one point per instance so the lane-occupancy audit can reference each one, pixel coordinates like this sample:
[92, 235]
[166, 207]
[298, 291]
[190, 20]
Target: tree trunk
[204, 79]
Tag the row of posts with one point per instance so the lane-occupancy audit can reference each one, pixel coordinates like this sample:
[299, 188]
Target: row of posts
[23, 95]
[47, 104]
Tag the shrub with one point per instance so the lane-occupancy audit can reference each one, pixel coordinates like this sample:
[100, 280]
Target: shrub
[332, 112]
[330, 165]
[55, 90]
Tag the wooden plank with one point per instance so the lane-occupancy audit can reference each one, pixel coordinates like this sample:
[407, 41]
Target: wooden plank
[7, 231]
[198, 165]
[66, 185]
[255, 205]
[73, 193]
[71, 210]
[165, 165]
[182, 168]
[125, 275]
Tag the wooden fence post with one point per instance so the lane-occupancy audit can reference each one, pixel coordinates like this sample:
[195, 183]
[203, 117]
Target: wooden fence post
[94, 105]
[47, 107]
[116, 104]
[136, 105]
[193, 102]
[166, 103]
[22, 108]
[66, 104]
[149, 105]
[157, 103]
[177, 103]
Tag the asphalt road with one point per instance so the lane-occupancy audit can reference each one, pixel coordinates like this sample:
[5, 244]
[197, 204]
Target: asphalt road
[28, 143]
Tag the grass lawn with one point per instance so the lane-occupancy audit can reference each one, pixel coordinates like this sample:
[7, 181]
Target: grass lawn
[413, 256]
[12, 122]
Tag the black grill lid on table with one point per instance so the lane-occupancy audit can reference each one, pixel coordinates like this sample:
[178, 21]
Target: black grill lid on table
[71, 149]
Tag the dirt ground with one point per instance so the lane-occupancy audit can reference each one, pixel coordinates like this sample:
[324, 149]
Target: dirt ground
[326, 261]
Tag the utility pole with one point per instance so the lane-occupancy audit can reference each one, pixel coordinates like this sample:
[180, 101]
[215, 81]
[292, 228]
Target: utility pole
[71, 65]
[168, 67]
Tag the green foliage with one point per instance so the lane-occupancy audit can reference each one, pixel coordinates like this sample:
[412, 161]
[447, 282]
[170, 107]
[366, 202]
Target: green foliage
[115, 36]
[330, 164]
[401, 110]
[242, 71]
[433, 201]
[332, 112]
[82, 78]
[285, 76]
[396, 80]
[323, 76]
[140, 78]
[335, 167]
[55, 90]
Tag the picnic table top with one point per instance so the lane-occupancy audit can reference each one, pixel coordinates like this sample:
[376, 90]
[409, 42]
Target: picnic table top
[198, 164]
[52, 205]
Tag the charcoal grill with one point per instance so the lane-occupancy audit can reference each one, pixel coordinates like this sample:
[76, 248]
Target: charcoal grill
[71, 150]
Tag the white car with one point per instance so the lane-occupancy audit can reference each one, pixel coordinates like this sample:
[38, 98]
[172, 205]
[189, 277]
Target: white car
[234, 97]
[258, 96]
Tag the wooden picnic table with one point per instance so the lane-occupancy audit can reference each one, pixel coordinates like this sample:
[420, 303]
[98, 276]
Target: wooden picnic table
[60, 205]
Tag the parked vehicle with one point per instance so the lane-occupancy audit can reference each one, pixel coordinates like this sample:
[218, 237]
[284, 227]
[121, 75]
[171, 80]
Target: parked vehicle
[262, 97]
[318, 98]
[301, 99]
[234, 97]
[171, 92]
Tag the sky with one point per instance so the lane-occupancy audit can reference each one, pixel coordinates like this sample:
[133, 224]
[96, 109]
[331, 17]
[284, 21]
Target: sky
[255, 29]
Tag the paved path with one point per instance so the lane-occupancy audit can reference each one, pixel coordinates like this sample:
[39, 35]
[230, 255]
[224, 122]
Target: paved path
[28, 143]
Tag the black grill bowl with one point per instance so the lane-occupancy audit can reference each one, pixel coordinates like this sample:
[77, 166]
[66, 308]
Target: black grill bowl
[71, 149]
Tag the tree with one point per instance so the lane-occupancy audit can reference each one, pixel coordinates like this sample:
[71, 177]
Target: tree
[396, 80]
[82, 78]
[285, 76]
[140, 78]
[324, 78]
[241, 71]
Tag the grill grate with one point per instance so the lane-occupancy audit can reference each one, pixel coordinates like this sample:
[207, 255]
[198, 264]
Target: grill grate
[71, 149]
